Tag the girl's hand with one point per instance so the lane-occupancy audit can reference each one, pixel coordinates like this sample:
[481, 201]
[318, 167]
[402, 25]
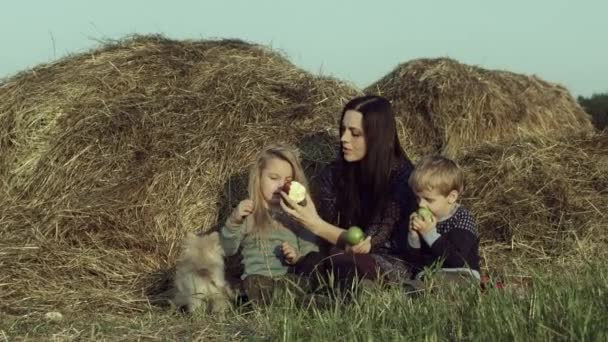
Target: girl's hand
[290, 253]
[363, 247]
[242, 210]
[306, 215]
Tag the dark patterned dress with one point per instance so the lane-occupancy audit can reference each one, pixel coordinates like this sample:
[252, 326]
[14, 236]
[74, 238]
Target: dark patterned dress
[388, 230]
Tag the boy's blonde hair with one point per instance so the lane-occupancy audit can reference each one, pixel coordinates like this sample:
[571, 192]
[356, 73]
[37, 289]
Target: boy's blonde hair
[261, 215]
[437, 173]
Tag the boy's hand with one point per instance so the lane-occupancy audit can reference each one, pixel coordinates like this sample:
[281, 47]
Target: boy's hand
[290, 253]
[412, 235]
[413, 238]
[244, 209]
[422, 226]
[363, 247]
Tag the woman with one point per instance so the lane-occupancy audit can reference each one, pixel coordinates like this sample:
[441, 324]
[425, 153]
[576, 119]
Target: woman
[366, 187]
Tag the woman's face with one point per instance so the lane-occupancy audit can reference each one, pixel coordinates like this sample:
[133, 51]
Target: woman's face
[352, 136]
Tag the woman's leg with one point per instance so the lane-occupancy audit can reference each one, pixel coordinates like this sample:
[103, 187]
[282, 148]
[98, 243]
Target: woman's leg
[312, 268]
[345, 265]
[349, 265]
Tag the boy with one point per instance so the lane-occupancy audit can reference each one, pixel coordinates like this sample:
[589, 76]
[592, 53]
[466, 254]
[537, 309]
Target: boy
[446, 233]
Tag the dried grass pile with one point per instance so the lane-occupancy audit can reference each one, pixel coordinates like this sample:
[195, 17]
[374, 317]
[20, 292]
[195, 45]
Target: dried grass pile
[109, 156]
[445, 106]
[540, 198]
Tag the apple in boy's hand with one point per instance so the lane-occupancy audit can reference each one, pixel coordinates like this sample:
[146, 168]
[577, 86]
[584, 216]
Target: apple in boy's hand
[354, 235]
[296, 192]
[425, 214]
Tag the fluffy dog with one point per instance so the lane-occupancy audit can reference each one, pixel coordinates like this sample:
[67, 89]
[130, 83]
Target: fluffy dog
[199, 276]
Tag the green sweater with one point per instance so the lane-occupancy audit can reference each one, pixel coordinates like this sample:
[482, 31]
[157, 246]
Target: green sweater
[263, 256]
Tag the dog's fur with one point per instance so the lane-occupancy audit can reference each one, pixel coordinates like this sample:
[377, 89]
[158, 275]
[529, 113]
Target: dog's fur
[199, 276]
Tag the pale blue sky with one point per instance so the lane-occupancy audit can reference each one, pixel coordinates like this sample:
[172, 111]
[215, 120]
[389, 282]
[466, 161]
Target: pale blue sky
[563, 41]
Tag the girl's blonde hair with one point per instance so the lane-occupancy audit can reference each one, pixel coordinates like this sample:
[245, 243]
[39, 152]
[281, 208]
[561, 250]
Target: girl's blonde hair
[261, 214]
[437, 173]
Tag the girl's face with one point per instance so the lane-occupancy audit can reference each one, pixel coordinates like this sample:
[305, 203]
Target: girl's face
[276, 173]
[352, 136]
[440, 205]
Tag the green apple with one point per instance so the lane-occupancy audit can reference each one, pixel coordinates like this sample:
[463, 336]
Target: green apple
[354, 235]
[425, 214]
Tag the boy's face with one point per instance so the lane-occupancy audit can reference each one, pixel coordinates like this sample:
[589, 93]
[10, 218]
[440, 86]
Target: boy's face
[439, 204]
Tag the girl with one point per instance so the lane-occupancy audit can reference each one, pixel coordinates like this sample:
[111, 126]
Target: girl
[271, 242]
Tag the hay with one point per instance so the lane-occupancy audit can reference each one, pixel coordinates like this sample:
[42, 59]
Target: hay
[445, 106]
[540, 198]
[110, 156]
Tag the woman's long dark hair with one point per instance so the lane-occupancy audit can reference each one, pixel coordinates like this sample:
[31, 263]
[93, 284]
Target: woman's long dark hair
[363, 185]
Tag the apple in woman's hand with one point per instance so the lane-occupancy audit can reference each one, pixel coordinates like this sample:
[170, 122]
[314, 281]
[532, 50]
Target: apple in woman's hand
[296, 192]
[354, 235]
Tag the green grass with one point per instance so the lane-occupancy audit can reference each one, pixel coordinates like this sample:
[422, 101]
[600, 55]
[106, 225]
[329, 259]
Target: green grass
[561, 306]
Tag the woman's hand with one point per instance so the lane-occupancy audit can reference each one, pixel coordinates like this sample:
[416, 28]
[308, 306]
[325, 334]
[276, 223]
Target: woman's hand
[306, 215]
[363, 247]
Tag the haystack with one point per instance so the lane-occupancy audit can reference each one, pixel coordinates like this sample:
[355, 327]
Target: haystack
[110, 156]
[540, 198]
[445, 106]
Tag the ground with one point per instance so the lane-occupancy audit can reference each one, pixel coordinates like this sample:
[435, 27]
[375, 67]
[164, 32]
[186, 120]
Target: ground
[562, 304]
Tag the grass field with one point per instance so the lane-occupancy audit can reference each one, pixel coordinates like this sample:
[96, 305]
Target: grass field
[564, 305]
[109, 157]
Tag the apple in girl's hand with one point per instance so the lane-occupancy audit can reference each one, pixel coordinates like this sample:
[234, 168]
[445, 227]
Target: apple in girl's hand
[354, 235]
[295, 191]
[425, 214]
